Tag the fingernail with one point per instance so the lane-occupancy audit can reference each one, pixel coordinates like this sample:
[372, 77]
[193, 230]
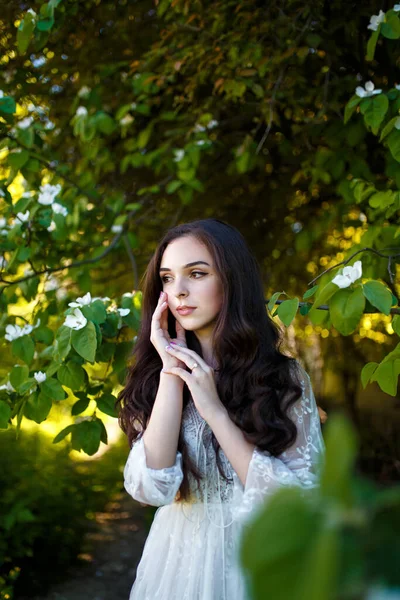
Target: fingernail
[168, 347]
[174, 343]
[161, 293]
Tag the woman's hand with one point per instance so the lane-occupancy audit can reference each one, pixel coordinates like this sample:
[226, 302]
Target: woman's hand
[159, 333]
[201, 381]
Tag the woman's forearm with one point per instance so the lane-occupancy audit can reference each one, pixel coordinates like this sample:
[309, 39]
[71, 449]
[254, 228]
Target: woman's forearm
[232, 441]
[162, 432]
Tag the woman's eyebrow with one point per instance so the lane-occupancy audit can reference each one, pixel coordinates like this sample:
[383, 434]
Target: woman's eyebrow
[196, 262]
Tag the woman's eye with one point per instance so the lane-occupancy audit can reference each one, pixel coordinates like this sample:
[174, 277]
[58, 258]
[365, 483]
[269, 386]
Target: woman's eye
[165, 278]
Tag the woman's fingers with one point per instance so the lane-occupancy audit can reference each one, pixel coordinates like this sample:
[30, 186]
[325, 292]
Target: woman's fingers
[189, 357]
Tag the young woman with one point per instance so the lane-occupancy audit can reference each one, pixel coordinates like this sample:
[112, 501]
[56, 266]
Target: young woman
[216, 416]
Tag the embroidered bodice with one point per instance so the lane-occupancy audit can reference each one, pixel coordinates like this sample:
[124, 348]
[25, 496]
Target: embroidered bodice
[299, 465]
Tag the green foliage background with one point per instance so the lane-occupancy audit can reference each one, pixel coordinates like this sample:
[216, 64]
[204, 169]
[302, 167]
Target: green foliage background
[147, 114]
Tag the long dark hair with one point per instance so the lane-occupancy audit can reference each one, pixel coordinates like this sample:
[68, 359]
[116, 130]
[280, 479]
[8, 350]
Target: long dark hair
[256, 382]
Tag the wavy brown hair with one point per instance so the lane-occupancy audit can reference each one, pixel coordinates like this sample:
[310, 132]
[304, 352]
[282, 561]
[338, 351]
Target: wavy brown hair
[256, 382]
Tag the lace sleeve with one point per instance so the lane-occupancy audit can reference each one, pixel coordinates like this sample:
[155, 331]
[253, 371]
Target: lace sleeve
[156, 487]
[299, 465]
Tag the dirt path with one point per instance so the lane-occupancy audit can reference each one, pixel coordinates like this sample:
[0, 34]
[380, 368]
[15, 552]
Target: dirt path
[111, 551]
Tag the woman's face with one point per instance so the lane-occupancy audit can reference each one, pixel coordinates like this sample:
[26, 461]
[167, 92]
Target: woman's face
[195, 285]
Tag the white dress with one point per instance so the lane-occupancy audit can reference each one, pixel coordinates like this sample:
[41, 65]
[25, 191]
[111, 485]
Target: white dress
[191, 552]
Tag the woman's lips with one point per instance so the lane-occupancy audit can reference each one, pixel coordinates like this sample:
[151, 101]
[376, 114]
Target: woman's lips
[185, 311]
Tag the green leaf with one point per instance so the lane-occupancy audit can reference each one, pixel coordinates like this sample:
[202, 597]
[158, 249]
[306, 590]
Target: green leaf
[386, 375]
[84, 341]
[5, 414]
[310, 292]
[391, 27]
[371, 45]
[72, 375]
[324, 294]
[351, 107]
[346, 308]
[378, 295]
[25, 32]
[273, 300]
[285, 512]
[388, 128]
[53, 389]
[144, 136]
[287, 310]
[393, 141]
[396, 324]
[63, 342]
[376, 111]
[381, 199]
[106, 403]
[24, 348]
[16, 160]
[80, 406]
[110, 327]
[95, 312]
[172, 186]
[37, 407]
[63, 433]
[44, 335]
[367, 372]
[7, 105]
[27, 385]
[18, 375]
[86, 436]
[341, 451]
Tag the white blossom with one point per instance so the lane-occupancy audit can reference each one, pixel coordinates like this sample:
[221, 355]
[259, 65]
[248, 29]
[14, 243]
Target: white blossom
[1, 94]
[82, 301]
[200, 143]
[3, 221]
[397, 86]
[51, 284]
[179, 154]
[3, 262]
[59, 209]
[2, 194]
[368, 91]
[124, 311]
[23, 217]
[52, 226]
[40, 376]
[25, 123]
[133, 105]
[32, 12]
[61, 293]
[126, 119]
[7, 387]
[75, 321]
[47, 193]
[376, 20]
[199, 127]
[84, 91]
[213, 123]
[128, 294]
[14, 332]
[349, 275]
[102, 298]
[116, 228]
[81, 111]
[396, 7]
